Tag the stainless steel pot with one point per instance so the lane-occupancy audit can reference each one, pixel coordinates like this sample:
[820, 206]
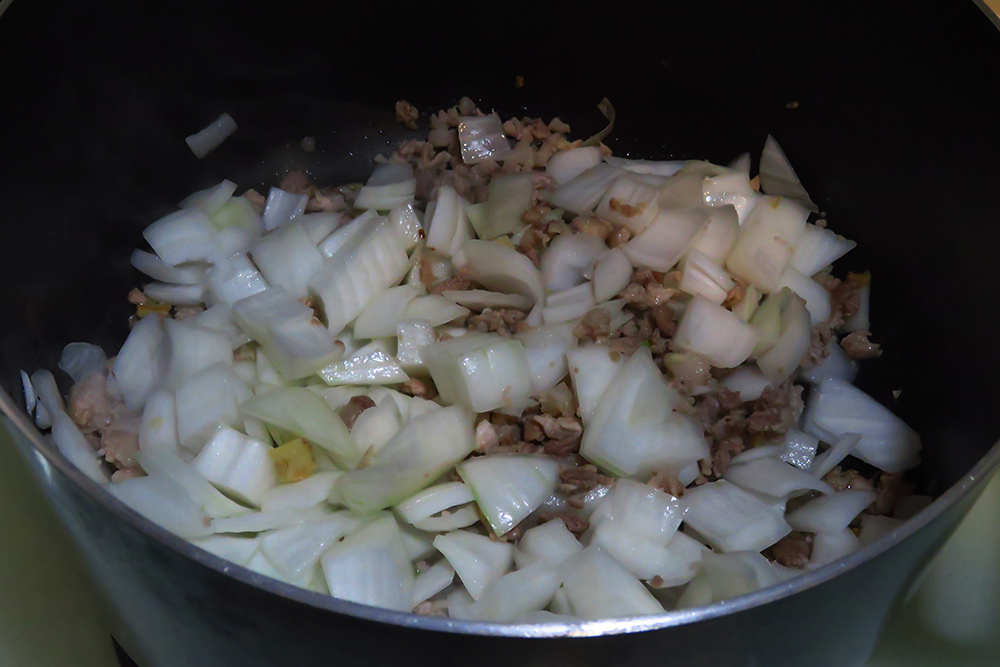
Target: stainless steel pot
[892, 130]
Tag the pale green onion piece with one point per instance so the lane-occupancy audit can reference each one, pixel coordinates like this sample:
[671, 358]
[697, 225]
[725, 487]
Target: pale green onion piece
[732, 519]
[432, 581]
[237, 465]
[482, 372]
[167, 464]
[667, 237]
[296, 549]
[516, 593]
[715, 333]
[550, 543]
[238, 550]
[372, 364]
[598, 587]
[371, 566]
[771, 477]
[509, 197]
[478, 560]
[508, 488]
[832, 513]
[608, 111]
[502, 269]
[163, 501]
[434, 500]
[301, 495]
[766, 240]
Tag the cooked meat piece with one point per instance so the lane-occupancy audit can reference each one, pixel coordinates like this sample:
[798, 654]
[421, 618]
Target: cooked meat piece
[777, 409]
[120, 442]
[889, 490]
[558, 401]
[858, 346]
[419, 388]
[594, 325]
[295, 181]
[574, 522]
[350, 412]
[667, 480]
[406, 114]
[793, 550]
[89, 405]
[502, 321]
[821, 335]
[841, 480]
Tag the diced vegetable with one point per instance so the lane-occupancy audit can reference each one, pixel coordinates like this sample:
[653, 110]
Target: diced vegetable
[597, 586]
[237, 465]
[715, 333]
[478, 560]
[480, 371]
[371, 566]
[372, 364]
[732, 519]
[766, 240]
[509, 487]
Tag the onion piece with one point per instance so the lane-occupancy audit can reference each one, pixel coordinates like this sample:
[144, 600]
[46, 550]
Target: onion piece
[749, 382]
[818, 248]
[238, 550]
[379, 318]
[612, 274]
[432, 581]
[211, 137]
[764, 247]
[295, 550]
[502, 269]
[482, 372]
[545, 349]
[412, 337]
[30, 399]
[700, 275]
[478, 560]
[141, 365]
[234, 279]
[255, 522]
[426, 447]
[81, 360]
[630, 201]
[321, 224]
[584, 192]
[406, 220]
[175, 295]
[667, 238]
[479, 300]
[375, 427]
[832, 513]
[828, 547]
[598, 587]
[183, 236]
[715, 333]
[211, 199]
[72, 444]
[608, 110]
[859, 321]
[569, 304]
[389, 186]
[309, 492]
[287, 258]
[831, 458]
[718, 235]
[191, 349]
[874, 527]
[817, 298]
[371, 566]
[445, 221]
[507, 488]
[163, 502]
[836, 408]
[434, 500]
[657, 168]
[591, 369]
[282, 206]
[237, 465]
[566, 258]
[550, 543]
[348, 233]
[510, 196]
[157, 269]
[774, 478]
[566, 165]
[782, 359]
[306, 415]
[516, 593]
[731, 188]
[777, 178]
[164, 463]
[205, 401]
[732, 519]
[434, 309]
[482, 138]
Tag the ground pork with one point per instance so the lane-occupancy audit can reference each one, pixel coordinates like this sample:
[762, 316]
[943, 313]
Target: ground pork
[842, 480]
[724, 419]
[777, 410]
[889, 490]
[574, 522]
[350, 412]
[858, 346]
[667, 481]
[503, 321]
[296, 181]
[89, 405]
[407, 114]
[793, 550]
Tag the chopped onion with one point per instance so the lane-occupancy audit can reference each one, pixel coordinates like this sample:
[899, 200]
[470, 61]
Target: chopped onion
[191, 349]
[237, 465]
[482, 372]
[545, 349]
[163, 502]
[379, 318]
[140, 365]
[389, 186]
[413, 336]
[550, 543]
[238, 550]
[81, 360]
[567, 257]
[828, 547]
[831, 458]
[183, 236]
[463, 517]
[255, 522]
[205, 401]
[718, 235]
[375, 427]
[424, 448]
[749, 382]
[481, 138]
[478, 560]
[165, 463]
[510, 196]
[516, 593]
[287, 257]
[479, 300]
[156, 268]
[681, 562]
[836, 408]
[732, 519]
[234, 279]
[816, 296]
[306, 415]
[591, 368]
[783, 358]
[434, 309]
[175, 295]
[832, 513]
[583, 193]
[321, 224]
[211, 199]
[371, 566]
[668, 168]
[766, 240]
[630, 201]
[508, 487]
[295, 550]
[667, 238]
[715, 333]
[731, 188]
[874, 527]
[434, 500]
[566, 165]
[700, 275]
[211, 137]
[349, 233]
[775, 478]
[608, 110]
[859, 320]
[72, 444]
[568, 304]
[406, 220]
[282, 206]
[597, 586]
[612, 274]
[818, 248]
[301, 495]
[777, 178]
[432, 581]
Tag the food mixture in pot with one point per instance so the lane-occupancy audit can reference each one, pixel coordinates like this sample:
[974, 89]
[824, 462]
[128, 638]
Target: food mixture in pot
[512, 377]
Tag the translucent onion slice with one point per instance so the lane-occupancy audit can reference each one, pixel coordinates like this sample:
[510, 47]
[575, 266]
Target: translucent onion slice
[775, 478]
[832, 513]
[597, 586]
[778, 178]
[630, 201]
[478, 560]
[508, 488]
[566, 165]
[502, 269]
[715, 333]
[516, 593]
[371, 566]
[817, 297]
[764, 247]
[482, 372]
[818, 248]
[582, 194]
[287, 257]
[732, 519]
[566, 258]
[550, 543]
[718, 235]
[295, 550]
[783, 358]
[432, 581]
[667, 238]
[389, 186]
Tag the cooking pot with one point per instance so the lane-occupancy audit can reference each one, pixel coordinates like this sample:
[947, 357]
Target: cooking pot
[885, 109]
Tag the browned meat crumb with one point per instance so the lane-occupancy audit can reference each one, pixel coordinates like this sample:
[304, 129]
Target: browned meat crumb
[487, 440]
[889, 490]
[777, 409]
[842, 480]
[793, 550]
[723, 417]
[184, 312]
[137, 297]
[558, 401]
[432, 608]
[858, 346]
[462, 280]
[120, 441]
[419, 388]
[582, 478]
[256, 199]
[321, 200]
[350, 412]
[89, 405]
[619, 237]
[735, 295]
[667, 480]
[127, 473]
[821, 335]
[595, 324]
[295, 181]
[407, 114]
[502, 321]
[588, 224]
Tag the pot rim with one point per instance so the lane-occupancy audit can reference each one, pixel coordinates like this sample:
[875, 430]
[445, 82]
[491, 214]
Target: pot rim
[975, 478]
